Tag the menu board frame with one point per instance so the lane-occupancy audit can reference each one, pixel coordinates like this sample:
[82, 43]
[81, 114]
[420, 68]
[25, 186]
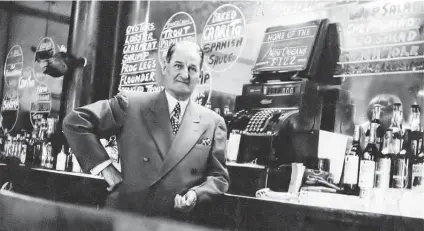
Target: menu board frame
[311, 65]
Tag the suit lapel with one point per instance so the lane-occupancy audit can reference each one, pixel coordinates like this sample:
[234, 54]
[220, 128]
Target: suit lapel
[190, 131]
[157, 120]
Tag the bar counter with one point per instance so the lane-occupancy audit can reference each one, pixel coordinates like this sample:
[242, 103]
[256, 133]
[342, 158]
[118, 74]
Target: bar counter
[310, 211]
[21, 212]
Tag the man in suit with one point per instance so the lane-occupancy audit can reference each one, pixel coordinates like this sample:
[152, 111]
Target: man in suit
[172, 149]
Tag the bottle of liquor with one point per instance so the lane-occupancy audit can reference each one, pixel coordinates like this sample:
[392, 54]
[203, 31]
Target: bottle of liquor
[37, 151]
[396, 127]
[69, 161]
[61, 160]
[75, 165]
[383, 162]
[367, 165]
[415, 122]
[351, 165]
[30, 150]
[417, 178]
[376, 115]
[415, 139]
[400, 162]
[24, 148]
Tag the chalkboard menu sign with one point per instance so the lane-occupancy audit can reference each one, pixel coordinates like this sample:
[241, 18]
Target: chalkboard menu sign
[287, 48]
[138, 63]
[382, 38]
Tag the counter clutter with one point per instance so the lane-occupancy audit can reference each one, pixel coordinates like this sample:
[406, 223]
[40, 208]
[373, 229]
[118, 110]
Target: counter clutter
[405, 203]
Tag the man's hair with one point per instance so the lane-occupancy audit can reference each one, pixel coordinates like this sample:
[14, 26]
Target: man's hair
[171, 51]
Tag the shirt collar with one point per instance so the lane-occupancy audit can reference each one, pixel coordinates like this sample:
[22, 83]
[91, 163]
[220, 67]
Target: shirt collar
[172, 102]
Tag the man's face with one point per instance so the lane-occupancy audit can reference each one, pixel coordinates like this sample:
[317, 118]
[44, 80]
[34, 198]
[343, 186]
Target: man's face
[181, 74]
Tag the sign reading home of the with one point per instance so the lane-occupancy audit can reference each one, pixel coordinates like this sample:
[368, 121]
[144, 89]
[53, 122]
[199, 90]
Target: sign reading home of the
[287, 48]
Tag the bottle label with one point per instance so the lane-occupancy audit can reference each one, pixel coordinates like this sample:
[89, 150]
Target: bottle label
[418, 175]
[382, 173]
[366, 174]
[400, 173]
[351, 169]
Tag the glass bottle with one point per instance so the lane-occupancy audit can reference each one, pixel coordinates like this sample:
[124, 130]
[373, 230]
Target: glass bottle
[383, 162]
[400, 162]
[351, 165]
[30, 150]
[367, 164]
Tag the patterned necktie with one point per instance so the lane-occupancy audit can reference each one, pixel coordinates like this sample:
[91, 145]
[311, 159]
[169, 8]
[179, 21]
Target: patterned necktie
[175, 121]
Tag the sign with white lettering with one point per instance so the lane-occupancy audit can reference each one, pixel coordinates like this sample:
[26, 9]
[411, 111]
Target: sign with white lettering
[10, 109]
[287, 48]
[13, 66]
[27, 80]
[203, 91]
[179, 27]
[383, 37]
[223, 37]
[42, 105]
[138, 64]
[45, 50]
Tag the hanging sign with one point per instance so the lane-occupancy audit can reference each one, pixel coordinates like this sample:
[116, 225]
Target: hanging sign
[223, 37]
[203, 91]
[179, 27]
[41, 107]
[10, 109]
[44, 51]
[13, 66]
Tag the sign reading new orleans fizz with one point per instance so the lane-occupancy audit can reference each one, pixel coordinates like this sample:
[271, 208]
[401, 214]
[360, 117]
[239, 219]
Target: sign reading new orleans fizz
[287, 48]
[13, 66]
[138, 63]
[179, 27]
[10, 109]
[223, 37]
[44, 51]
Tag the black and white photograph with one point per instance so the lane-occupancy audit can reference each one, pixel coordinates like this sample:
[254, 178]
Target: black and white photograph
[212, 115]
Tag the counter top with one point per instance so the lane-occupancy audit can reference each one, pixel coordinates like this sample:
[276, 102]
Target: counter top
[395, 202]
[20, 212]
[267, 214]
[80, 174]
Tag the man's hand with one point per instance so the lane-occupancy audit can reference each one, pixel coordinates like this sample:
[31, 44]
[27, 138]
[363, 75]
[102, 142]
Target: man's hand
[112, 177]
[187, 202]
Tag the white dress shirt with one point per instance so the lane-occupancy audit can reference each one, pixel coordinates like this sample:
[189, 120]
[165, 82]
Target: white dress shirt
[171, 105]
[172, 102]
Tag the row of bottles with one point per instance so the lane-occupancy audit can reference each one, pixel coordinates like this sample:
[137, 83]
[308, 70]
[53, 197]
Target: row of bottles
[67, 161]
[34, 149]
[393, 158]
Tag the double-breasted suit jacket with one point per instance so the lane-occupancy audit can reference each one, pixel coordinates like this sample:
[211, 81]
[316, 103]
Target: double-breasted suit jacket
[156, 165]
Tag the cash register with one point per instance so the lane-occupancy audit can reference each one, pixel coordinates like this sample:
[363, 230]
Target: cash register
[287, 102]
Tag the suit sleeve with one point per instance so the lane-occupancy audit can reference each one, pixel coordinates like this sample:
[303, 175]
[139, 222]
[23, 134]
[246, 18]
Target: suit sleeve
[217, 179]
[84, 126]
